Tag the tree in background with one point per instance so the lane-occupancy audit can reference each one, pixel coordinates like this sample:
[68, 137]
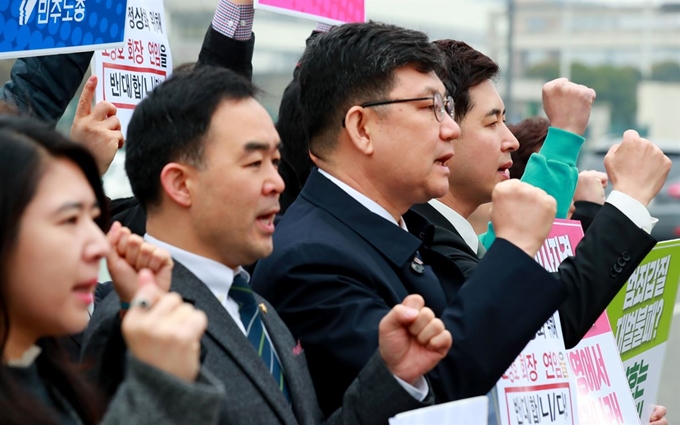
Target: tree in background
[666, 71]
[615, 85]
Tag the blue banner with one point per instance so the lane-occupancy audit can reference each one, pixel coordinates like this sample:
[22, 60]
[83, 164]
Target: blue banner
[44, 27]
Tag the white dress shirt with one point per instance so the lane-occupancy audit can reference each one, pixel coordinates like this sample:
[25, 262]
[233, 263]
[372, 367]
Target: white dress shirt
[459, 222]
[633, 209]
[216, 276]
[420, 389]
[364, 200]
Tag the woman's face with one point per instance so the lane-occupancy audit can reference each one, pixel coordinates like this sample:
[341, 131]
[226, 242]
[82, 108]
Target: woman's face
[54, 266]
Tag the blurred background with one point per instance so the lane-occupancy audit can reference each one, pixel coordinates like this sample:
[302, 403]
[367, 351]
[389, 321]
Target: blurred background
[627, 50]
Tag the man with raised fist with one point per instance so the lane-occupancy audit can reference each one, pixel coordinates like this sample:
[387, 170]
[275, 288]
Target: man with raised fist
[348, 249]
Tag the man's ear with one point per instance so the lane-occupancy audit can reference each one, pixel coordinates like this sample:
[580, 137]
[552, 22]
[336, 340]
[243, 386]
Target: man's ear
[359, 125]
[176, 180]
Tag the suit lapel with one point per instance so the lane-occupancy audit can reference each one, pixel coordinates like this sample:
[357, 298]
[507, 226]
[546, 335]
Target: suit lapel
[295, 374]
[430, 213]
[434, 216]
[223, 330]
[395, 245]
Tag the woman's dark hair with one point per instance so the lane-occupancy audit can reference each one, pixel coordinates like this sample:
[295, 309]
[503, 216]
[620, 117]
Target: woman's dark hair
[26, 147]
[530, 134]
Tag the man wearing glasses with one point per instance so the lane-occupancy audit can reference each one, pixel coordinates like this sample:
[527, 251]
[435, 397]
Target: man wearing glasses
[348, 249]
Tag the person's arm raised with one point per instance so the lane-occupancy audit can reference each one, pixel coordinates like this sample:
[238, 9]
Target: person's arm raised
[97, 129]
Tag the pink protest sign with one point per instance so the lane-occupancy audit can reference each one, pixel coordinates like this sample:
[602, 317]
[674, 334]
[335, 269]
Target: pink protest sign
[329, 11]
[603, 392]
[539, 387]
[561, 243]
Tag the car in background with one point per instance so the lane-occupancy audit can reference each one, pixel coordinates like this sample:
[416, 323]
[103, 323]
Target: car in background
[666, 205]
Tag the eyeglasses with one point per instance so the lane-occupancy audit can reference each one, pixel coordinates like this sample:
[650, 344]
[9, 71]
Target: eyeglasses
[441, 105]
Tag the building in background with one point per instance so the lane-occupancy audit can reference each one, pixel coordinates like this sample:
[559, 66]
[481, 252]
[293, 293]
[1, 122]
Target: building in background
[586, 40]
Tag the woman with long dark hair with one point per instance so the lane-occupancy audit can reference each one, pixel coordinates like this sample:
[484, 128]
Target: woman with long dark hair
[52, 217]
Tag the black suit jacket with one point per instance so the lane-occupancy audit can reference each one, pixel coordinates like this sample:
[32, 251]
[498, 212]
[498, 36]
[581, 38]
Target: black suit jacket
[253, 397]
[337, 269]
[608, 254]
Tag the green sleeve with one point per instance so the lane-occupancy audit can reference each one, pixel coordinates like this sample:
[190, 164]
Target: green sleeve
[552, 169]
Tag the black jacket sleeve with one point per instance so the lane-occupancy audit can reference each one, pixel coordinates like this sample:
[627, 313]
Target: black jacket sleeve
[222, 51]
[43, 86]
[605, 258]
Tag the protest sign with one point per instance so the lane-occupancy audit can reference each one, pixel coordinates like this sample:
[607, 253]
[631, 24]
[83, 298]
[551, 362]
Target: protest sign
[127, 74]
[603, 395]
[461, 412]
[328, 11]
[539, 387]
[641, 316]
[46, 27]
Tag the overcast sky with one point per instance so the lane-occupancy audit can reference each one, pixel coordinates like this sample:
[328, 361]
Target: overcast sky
[462, 14]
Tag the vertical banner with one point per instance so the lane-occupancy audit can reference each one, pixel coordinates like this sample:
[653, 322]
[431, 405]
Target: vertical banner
[641, 316]
[48, 27]
[127, 74]
[539, 388]
[328, 11]
[603, 395]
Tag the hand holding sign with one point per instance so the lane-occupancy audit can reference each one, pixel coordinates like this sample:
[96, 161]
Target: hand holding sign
[659, 416]
[522, 214]
[97, 129]
[411, 340]
[637, 167]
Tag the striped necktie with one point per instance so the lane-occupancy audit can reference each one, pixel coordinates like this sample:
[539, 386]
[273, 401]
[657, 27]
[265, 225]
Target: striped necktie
[250, 316]
[481, 250]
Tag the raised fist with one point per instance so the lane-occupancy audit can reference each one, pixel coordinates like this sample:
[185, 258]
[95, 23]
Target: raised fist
[522, 214]
[637, 167]
[567, 105]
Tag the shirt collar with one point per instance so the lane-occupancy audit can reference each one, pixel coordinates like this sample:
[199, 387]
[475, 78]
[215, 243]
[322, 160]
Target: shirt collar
[216, 276]
[27, 359]
[461, 224]
[364, 200]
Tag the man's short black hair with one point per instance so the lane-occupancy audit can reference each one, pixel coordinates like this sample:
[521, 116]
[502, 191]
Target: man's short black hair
[352, 64]
[464, 68]
[170, 125]
[293, 136]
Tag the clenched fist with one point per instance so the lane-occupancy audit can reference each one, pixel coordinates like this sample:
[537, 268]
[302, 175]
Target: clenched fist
[411, 340]
[637, 167]
[522, 214]
[128, 255]
[591, 186]
[567, 105]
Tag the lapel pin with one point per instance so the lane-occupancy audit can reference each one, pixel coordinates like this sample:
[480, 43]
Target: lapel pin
[417, 265]
[263, 308]
[297, 350]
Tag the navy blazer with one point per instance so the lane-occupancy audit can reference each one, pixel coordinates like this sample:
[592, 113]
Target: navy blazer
[338, 268]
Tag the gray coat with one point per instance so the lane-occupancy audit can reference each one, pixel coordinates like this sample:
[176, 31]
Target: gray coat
[252, 395]
[149, 396]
